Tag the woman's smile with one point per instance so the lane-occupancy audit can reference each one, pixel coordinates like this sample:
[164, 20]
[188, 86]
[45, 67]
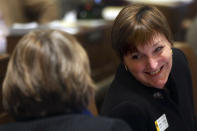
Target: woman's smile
[154, 73]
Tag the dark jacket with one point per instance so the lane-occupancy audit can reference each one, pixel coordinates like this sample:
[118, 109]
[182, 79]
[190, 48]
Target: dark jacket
[142, 106]
[73, 122]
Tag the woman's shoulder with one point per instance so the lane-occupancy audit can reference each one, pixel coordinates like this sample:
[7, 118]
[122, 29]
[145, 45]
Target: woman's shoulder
[69, 122]
[92, 123]
[133, 113]
[180, 62]
[178, 55]
[107, 124]
[122, 100]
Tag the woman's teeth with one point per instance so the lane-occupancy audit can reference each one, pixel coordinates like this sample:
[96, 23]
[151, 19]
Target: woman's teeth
[154, 72]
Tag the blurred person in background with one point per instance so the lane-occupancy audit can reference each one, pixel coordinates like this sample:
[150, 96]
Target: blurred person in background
[24, 11]
[71, 5]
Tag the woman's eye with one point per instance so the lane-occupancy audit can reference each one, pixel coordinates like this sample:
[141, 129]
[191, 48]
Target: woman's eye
[158, 49]
[135, 57]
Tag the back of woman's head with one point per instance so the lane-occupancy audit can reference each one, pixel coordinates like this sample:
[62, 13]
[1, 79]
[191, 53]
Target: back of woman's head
[48, 74]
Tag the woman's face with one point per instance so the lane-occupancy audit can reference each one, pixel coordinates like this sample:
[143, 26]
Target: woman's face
[151, 64]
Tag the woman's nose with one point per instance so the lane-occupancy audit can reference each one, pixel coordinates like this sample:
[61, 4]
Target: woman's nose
[152, 63]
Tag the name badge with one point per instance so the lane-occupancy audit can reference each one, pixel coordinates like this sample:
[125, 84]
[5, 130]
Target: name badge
[161, 123]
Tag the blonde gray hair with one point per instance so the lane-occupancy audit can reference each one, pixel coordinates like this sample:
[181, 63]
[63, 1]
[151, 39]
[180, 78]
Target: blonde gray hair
[48, 74]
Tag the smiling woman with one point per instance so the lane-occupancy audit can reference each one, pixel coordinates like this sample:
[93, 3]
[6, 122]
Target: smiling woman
[152, 89]
[151, 63]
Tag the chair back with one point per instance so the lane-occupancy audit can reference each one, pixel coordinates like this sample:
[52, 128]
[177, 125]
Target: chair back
[4, 118]
[192, 61]
[3, 66]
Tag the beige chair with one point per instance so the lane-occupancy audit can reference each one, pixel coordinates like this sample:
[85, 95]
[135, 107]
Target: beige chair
[192, 60]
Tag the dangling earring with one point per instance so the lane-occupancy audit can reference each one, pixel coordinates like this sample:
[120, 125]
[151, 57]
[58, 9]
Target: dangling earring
[125, 67]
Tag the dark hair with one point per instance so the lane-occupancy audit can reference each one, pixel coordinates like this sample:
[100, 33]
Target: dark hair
[137, 24]
[48, 74]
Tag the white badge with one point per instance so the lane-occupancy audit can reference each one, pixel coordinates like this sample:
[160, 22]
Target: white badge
[161, 123]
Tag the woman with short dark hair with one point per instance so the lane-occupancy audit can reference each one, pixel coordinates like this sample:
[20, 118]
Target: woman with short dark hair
[152, 89]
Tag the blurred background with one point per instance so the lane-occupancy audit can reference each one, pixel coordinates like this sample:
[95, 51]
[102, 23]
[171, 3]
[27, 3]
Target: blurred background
[80, 16]
[90, 21]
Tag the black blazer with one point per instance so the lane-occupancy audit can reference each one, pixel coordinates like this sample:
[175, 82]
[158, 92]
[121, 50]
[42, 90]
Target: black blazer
[141, 106]
[73, 122]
